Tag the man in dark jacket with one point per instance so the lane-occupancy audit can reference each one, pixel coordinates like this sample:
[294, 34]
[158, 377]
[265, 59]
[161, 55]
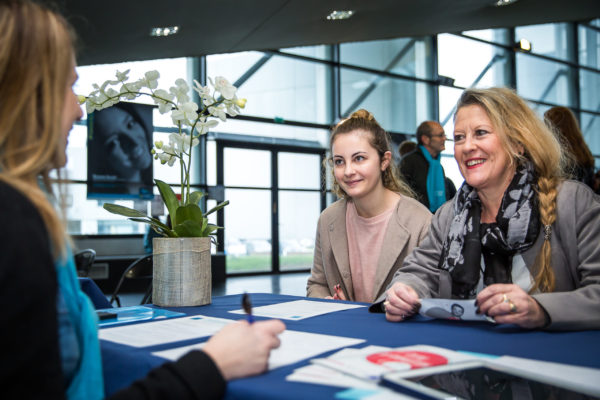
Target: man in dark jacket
[430, 184]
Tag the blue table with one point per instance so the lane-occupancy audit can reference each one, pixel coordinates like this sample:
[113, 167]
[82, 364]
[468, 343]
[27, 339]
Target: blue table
[124, 364]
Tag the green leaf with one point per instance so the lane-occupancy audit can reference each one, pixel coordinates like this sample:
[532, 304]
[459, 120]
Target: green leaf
[125, 211]
[210, 228]
[169, 198]
[217, 207]
[195, 197]
[191, 212]
[161, 229]
[189, 228]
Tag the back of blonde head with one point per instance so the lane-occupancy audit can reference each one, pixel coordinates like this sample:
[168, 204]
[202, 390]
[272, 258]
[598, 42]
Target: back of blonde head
[380, 140]
[520, 130]
[36, 56]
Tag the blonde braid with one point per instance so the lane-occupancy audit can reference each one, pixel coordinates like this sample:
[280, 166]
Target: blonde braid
[547, 192]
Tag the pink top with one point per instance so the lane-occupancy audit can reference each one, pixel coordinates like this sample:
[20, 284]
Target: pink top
[365, 238]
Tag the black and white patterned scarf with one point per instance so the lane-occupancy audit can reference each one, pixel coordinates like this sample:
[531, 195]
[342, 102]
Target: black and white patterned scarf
[515, 230]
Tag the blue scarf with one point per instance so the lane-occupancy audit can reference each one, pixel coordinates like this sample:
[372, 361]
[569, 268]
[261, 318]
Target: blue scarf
[436, 183]
[87, 381]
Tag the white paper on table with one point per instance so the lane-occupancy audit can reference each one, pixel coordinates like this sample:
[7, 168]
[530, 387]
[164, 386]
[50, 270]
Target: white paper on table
[362, 389]
[165, 331]
[452, 309]
[299, 309]
[295, 346]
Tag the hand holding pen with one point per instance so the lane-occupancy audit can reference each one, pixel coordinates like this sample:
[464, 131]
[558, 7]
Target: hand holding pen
[339, 293]
[247, 306]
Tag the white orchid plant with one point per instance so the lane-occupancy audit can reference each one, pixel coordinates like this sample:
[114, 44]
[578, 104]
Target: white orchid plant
[192, 121]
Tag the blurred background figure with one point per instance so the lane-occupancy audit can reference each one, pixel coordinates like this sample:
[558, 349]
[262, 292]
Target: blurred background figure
[406, 147]
[564, 123]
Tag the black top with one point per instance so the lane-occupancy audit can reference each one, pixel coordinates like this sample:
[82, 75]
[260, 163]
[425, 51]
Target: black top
[30, 365]
[414, 168]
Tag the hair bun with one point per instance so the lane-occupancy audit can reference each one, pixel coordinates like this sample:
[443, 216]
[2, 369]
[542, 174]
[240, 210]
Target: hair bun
[362, 113]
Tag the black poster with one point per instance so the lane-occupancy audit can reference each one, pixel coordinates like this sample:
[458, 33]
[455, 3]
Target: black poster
[119, 159]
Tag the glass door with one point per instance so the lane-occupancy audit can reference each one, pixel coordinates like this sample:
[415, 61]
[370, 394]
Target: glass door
[275, 199]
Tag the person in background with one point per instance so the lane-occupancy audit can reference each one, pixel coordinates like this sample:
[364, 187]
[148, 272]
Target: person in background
[518, 238]
[564, 123]
[406, 147]
[363, 238]
[423, 170]
[49, 325]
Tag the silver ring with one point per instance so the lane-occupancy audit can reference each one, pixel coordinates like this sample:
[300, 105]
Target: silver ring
[402, 316]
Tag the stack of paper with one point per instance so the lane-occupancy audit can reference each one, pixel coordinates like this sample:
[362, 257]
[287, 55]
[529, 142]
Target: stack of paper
[363, 368]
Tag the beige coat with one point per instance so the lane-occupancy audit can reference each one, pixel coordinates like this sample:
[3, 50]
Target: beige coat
[406, 229]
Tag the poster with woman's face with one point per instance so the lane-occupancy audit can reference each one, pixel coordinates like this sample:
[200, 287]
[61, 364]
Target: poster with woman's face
[119, 159]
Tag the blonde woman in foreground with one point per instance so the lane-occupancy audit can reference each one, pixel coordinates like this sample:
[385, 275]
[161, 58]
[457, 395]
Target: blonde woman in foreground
[49, 326]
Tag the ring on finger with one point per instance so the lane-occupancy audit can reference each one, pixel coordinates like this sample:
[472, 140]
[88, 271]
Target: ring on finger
[513, 308]
[505, 298]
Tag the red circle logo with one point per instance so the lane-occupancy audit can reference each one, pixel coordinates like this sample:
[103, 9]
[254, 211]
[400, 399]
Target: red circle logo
[416, 359]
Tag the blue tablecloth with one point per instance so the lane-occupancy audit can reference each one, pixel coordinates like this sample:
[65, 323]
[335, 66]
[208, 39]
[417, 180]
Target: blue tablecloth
[124, 364]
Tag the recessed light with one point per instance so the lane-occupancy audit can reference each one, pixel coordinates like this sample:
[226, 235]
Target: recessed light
[500, 3]
[523, 45]
[343, 14]
[164, 31]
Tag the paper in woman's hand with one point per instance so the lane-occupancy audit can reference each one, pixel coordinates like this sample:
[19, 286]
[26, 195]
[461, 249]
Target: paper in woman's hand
[452, 309]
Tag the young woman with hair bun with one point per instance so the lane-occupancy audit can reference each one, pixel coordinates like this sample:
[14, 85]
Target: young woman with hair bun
[363, 237]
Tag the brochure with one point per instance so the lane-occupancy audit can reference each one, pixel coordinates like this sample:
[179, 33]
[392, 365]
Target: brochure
[134, 313]
[371, 362]
[463, 310]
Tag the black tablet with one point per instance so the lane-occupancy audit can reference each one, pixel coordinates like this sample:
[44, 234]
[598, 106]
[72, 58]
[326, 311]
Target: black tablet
[480, 382]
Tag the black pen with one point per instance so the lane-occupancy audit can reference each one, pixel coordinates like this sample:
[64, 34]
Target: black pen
[247, 306]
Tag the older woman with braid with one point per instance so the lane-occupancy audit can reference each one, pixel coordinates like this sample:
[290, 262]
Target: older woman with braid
[518, 238]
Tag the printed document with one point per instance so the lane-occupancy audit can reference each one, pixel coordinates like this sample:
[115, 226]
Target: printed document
[165, 331]
[299, 309]
[295, 346]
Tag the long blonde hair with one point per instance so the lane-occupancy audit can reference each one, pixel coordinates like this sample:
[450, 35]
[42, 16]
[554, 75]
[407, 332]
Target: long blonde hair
[380, 140]
[36, 57]
[518, 127]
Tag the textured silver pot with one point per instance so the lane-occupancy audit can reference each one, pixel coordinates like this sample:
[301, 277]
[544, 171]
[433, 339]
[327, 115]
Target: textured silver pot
[181, 273]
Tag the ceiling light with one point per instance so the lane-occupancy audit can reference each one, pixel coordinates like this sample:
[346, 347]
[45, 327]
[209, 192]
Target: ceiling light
[164, 31]
[344, 14]
[523, 45]
[500, 3]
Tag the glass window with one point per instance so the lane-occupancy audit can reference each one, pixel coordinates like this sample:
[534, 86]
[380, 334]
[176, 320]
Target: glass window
[590, 127]
[243, 167]
[298, 216]
[248, 230]
[404, 56]
[298, 170]
[545, 81]
[447, 102]
[589, 47]
[589, 86]
[399, 105]
[552, 40]
[321, 52]
[87, 217]
[76, 167]
[472, 63]
[317, 136]
[282, 87]
[500, 36]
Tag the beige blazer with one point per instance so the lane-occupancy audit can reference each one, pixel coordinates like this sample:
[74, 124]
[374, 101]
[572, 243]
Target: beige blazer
[406, 229]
